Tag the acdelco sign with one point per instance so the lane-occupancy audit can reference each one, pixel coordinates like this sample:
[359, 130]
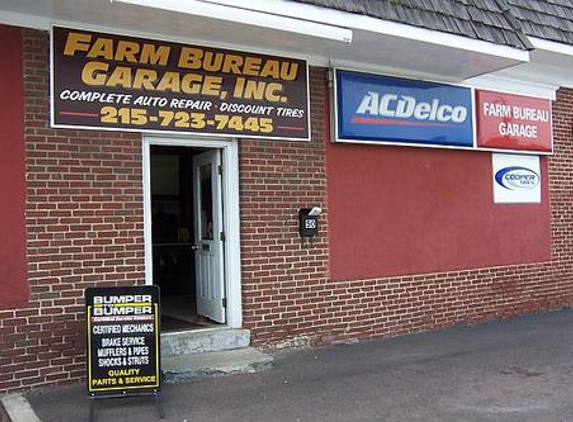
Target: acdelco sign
[406, 107]
[381, 108]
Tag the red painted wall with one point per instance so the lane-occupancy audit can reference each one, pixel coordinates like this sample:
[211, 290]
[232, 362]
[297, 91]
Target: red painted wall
[398, 211]
[13, 285]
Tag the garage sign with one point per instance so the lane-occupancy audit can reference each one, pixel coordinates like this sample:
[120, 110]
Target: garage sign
[513, 122]
[117, 82]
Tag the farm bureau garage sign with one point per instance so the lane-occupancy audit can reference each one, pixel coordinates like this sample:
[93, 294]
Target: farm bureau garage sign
[119, 82]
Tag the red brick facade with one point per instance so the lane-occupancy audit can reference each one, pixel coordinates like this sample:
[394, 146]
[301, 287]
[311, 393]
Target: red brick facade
[284, 282]
[85, 227]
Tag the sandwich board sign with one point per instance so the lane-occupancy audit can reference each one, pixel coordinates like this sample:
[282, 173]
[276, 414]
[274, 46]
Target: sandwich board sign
[123, 341]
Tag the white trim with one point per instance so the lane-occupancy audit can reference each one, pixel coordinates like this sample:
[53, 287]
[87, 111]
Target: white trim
[392, 71]
[474, 118]
[231, 224]
[147, 236]
[233, 13]
[429, 36]
[231, 219]
[514, 86]
[450, 147]
[334, 104]
[366, 23]
[551, 46]
[24, 20]
[328, 17]
[309, 14]
[52, 75]
[333, 18]
[46, 24]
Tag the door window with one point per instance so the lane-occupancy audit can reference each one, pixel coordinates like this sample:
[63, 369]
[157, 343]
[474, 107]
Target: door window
[206, 198]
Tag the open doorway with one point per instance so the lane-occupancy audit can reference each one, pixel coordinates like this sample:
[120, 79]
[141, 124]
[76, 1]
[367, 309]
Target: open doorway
[187, 236]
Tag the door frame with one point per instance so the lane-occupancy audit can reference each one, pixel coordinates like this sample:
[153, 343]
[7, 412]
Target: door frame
[230, 223]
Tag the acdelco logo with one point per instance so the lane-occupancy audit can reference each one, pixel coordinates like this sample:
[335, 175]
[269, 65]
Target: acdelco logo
[515, 177]
[405, 107]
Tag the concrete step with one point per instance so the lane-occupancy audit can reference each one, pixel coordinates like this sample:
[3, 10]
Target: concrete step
[15, 408]
[245, 360]
[202, 341]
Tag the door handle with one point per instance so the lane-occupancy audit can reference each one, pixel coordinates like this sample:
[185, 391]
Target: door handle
[194, 247]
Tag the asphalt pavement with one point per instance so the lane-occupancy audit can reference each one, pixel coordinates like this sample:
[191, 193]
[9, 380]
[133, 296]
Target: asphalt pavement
[514, 370]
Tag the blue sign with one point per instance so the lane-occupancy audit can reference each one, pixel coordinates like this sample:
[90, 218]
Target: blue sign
[386, 109]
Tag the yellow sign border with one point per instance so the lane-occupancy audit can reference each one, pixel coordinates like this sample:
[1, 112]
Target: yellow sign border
[138, 387]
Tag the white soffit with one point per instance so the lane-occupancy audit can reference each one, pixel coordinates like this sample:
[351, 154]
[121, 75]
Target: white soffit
[247, 16]
[548, 69]
[381, 46]
[512, 83]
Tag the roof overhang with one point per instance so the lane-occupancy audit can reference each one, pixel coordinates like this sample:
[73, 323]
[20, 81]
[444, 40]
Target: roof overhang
[548, 69]
[280, 27]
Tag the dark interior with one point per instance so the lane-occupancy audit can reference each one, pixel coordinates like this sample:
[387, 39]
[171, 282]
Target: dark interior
[173, 235]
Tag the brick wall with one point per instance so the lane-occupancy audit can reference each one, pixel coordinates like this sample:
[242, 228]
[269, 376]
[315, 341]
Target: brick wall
[84, 218]
[283, 280]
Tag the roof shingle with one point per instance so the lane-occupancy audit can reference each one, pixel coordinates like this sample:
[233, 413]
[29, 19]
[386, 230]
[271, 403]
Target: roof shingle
[487, 20]
[547, 19]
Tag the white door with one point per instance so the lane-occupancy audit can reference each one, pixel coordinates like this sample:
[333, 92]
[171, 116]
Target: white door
[208, 235]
